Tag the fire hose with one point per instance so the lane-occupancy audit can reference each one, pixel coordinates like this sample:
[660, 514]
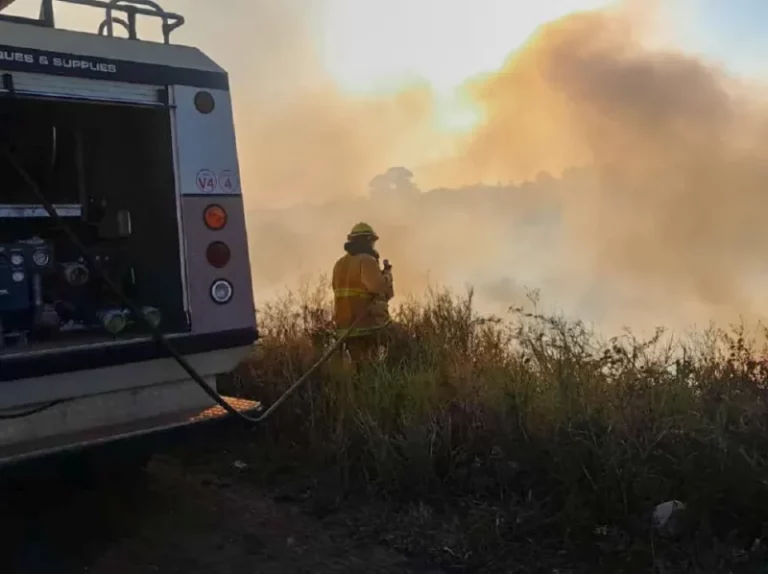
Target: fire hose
[157, 334]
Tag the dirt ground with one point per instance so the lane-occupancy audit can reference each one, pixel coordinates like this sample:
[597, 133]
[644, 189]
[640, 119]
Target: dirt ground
[176, 519]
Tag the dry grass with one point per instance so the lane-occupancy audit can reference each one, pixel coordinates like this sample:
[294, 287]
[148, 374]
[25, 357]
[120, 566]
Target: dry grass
[500, 444]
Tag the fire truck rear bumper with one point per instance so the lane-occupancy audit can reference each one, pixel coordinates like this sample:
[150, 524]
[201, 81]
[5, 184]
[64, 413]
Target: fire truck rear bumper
[152, 434]
[76, 410]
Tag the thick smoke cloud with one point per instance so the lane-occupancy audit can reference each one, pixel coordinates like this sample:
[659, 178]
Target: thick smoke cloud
[663, 222]
[676, 150]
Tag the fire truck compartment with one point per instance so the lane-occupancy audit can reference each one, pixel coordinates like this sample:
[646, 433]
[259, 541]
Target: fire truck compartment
[108, 169]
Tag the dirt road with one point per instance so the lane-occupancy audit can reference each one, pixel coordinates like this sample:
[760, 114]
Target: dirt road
[176, 519]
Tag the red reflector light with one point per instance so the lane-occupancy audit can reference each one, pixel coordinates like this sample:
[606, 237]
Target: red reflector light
[215, 217]
[218, 254]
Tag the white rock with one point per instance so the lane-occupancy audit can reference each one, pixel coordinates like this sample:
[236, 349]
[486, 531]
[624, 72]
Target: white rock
[669, 518]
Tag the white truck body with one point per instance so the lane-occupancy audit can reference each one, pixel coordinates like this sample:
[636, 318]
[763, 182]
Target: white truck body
[118, 387]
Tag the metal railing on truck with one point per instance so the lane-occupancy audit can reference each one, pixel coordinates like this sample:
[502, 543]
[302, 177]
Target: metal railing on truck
[130, 8]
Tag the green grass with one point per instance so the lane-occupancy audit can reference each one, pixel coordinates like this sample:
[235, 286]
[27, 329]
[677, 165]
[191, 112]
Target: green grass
[509, 444]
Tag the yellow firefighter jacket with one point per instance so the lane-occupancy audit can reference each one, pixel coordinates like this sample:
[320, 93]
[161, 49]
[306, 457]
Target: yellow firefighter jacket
[358, 282]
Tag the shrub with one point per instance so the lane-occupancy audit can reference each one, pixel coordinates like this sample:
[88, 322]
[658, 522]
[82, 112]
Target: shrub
[530, 423]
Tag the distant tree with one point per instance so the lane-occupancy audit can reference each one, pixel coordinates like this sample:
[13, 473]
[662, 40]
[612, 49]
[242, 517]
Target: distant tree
[395, 183]
[544, 178]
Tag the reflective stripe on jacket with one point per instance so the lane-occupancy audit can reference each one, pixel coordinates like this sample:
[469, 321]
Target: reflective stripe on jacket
[357, 280]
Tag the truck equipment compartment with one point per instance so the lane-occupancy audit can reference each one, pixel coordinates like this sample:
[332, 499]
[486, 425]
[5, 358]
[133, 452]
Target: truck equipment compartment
[109, 171]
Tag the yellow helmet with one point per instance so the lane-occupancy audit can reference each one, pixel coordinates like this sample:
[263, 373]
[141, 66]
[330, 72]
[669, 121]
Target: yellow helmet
[362, 230]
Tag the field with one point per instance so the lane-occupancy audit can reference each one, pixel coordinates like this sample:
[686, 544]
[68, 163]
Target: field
[475, 444]
[519, 444]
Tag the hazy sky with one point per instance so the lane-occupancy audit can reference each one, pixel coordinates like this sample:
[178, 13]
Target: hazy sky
[278, 51]
[328, 93]
[348, 34]
[731, 31]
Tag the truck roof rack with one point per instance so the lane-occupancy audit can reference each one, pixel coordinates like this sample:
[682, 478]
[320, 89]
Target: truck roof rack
[129, 8]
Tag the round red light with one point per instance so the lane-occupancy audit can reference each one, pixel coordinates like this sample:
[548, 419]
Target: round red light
[218, 254]
[215, 217]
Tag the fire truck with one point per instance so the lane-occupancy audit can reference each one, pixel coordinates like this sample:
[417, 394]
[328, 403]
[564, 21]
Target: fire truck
[125, 284]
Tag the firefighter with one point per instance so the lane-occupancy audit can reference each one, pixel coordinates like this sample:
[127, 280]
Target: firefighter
[360, 287]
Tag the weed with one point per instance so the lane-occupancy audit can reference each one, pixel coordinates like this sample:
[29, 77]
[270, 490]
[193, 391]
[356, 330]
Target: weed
[527, 430]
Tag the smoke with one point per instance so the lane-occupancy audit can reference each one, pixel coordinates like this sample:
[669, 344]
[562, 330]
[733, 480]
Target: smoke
[663, 222]
[325, 146]
[674, 145]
